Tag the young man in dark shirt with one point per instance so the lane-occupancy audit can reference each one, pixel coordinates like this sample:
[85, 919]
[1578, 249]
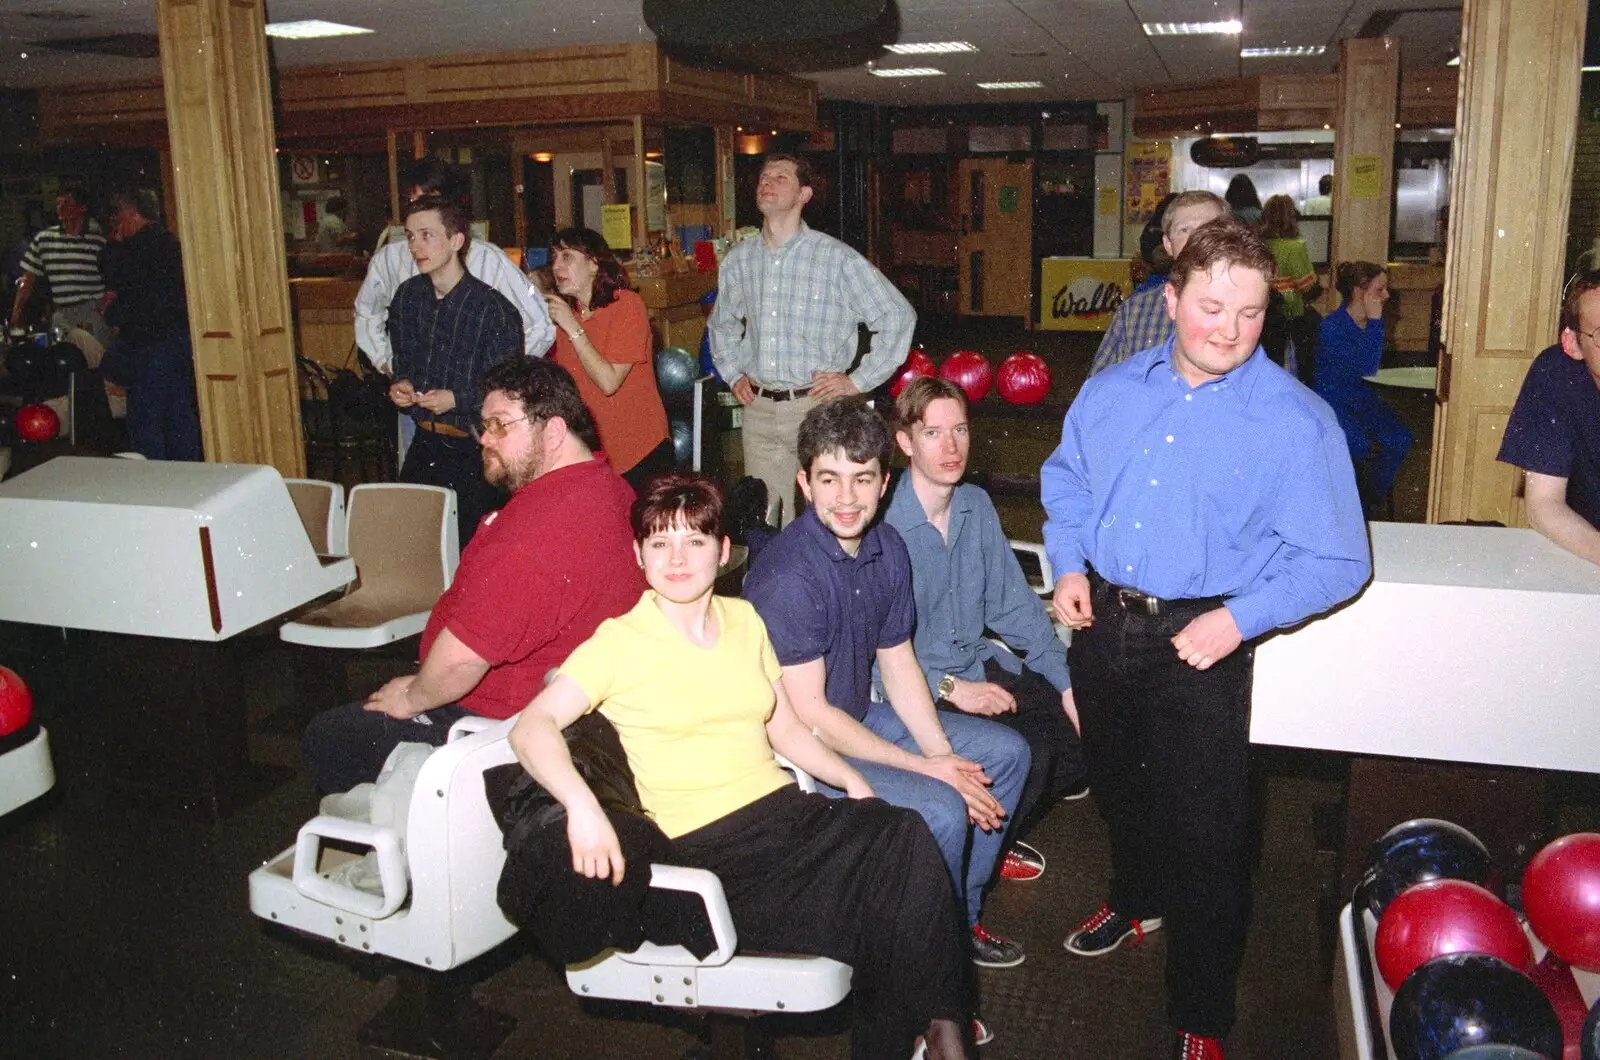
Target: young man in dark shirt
[447, 328]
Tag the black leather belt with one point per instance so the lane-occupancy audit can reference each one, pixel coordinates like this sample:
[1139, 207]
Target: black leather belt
[1140, 602]
[780, 395]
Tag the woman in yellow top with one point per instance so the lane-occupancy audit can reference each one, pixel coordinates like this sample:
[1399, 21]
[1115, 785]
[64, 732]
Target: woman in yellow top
[695, 692]
[1295, 281]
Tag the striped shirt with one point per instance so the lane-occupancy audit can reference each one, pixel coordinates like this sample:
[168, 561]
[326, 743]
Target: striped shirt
[783, 314]
[448, 343]
[1141, 322]
[71, 263]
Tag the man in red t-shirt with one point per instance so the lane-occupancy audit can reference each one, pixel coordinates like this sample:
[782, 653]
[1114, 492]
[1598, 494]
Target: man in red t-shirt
[537, 579]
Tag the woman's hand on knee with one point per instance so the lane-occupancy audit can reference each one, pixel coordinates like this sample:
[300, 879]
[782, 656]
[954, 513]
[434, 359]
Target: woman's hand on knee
[596, 851]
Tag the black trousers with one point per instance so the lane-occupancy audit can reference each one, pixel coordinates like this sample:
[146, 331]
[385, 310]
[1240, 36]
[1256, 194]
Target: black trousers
[1168, 750]
[348, 745]
[1057, 766]
[657, 461]
[859, 881]
[456, 463]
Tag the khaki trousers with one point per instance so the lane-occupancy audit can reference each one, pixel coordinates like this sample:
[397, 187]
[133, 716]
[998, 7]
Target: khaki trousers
[771, 429]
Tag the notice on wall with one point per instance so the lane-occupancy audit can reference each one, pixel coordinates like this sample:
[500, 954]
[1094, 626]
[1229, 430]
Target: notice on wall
[1365, 174]
[616, 225]
[1007, 197]
[1149, 178]
[1082, 294]
[1106, 201]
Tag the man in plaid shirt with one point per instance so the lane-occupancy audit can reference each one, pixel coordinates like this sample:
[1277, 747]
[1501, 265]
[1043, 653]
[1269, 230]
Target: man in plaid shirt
[1141, 320]
[784, 332]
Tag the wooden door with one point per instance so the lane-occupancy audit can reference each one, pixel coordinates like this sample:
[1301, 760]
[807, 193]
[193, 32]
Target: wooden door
[996, 256]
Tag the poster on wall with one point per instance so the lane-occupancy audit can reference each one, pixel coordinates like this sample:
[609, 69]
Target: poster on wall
[1082, 294]
[1149, 178]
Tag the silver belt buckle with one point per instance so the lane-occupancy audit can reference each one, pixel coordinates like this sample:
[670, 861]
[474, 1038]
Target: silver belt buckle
[1149, 604]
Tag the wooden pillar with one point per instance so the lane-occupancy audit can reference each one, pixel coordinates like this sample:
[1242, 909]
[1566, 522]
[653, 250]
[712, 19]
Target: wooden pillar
[214, 67]
[394, 178]
[641, 197]
[1363, 149]
[1510, 186]
[725, 182]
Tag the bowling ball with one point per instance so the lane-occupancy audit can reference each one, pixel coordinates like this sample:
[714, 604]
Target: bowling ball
[1470, 999]
[16, 702]
[683, 443]
[1561, 895]
[24, 362]
[8, 425]
[917, 365]
[1023, 378]
[1497, 1052]
[970, 371]
[1590, 1038]
[1553, 976]
[1447, 916]
[62, 359]
[676, 371]
[1421, 850]
[37, 423]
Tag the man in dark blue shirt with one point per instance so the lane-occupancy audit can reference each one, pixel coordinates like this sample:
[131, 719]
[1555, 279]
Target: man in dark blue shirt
[447, 328]
[1554, 431]
[835, 593]
[1200, 498]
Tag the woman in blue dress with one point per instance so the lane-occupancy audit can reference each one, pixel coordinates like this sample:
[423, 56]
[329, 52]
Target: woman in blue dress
[1349, 347]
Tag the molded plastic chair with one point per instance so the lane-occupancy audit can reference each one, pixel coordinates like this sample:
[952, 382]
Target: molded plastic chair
[321, 508]
[26, 768]
[404, 540]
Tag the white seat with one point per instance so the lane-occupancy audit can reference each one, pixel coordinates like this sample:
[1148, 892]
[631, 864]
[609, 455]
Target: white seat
[1046, 586]
[404, 540]
[26, 772]
[671, 976]
[438, 906]
[321, 508]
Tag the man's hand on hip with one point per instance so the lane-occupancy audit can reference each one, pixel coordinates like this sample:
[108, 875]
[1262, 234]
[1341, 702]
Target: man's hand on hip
[743, 390]
[832, 385]
[1071, 603]
[1208, 639]
[980, 697]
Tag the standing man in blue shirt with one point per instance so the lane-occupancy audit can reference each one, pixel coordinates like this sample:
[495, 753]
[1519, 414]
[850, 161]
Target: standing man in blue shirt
[1201, 497]
[835, 593]
[785, 329]
[968, 586]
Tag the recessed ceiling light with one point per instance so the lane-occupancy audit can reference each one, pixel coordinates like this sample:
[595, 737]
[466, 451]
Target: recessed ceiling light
[311, 29]
[1191, 29]
[997, 86]
[1287, 51]
[907, 71]
[933, 47]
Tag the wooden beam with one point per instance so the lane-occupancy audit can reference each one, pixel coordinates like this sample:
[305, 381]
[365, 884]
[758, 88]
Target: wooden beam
[1363, 149]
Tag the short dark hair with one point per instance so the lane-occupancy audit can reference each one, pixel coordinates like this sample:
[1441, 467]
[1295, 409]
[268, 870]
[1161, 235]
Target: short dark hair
[456, 219]
[802, 168]
[912, 404]
[849, 424]
[1279, 218]
[545, 390]
[1227, 240]
[1577, 287]
[77, 192]
[1325, 184]
[1242, 192]
[610, 279]
[436, 177]
[1352, 274]
[143, 201]
[336, 205]
[678, 498]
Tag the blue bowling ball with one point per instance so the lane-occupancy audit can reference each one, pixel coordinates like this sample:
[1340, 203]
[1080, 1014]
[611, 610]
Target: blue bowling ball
[1497, 1052]
[1418, 851]
[683, 443]
[676, 371]
[1590, 1038]
[1467, 999]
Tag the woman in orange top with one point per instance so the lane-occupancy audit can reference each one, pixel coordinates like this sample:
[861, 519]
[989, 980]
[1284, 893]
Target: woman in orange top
[603, 340]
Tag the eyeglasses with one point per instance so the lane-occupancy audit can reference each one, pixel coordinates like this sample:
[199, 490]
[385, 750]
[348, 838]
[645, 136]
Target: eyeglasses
[497, 428]
[1593, 336]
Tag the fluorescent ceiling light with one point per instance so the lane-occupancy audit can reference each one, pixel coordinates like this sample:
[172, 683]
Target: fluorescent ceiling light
[1589, 69]
[1287, 51]
[935, 47]
[311, 29]
[1454, 61]
[1191, 29]
[998, 85]
[907, 71]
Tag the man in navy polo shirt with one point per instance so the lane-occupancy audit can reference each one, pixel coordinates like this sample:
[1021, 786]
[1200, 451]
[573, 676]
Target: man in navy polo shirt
[1554, 431]
[835, 593]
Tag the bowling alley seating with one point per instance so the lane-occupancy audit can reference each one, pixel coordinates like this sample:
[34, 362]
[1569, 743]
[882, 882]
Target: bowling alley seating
[403, 537]
[344, 424]
[321, 508]
[432, 906]
[1046, 585]
[724, 982]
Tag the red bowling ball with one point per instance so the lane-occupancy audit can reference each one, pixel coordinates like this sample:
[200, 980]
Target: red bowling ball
[1023, 379]
[16, 702]
[37, 423]
[1561, 895]
[917, 366]
[969, 370]
[1444, 917]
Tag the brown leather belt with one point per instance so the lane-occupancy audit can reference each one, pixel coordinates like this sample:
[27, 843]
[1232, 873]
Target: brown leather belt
[780, 395]
[435, 427]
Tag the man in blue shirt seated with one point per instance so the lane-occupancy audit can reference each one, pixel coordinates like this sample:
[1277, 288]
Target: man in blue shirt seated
[1554, 431]
[1201, 497]
[835, 593]
[968, 585]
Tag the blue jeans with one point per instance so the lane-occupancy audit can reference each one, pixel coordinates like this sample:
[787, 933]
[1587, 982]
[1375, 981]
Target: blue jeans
[162, 420]
[1004, 757]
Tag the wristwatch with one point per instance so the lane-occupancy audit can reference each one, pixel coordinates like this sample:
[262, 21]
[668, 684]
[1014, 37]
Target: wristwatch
[947, 685]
